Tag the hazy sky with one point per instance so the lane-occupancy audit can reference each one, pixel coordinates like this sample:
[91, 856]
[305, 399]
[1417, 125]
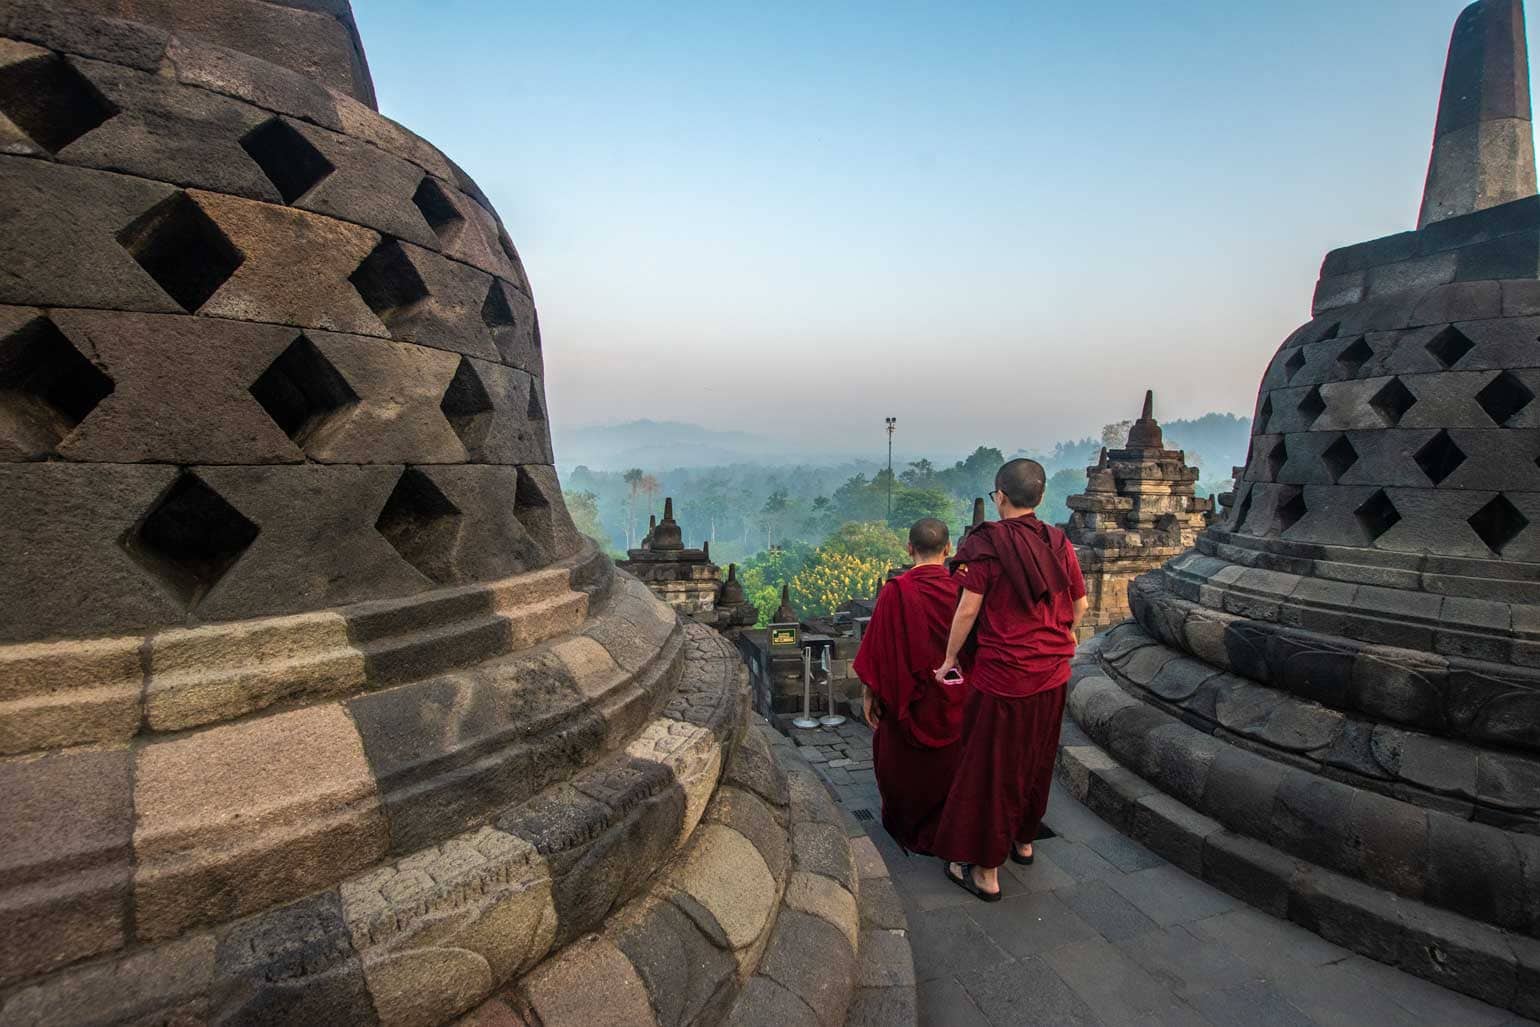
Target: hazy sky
[999, 221]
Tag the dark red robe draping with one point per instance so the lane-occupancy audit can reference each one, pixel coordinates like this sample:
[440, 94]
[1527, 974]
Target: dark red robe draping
[1029, 578]
[915, 745]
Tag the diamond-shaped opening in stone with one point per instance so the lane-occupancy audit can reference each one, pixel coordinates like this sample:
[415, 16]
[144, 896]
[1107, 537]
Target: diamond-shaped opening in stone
[496, 311]
[536, 409]
[190, 538]
[51, 101]
[46, 387]
[1392, 402]
[1291, 507]
[421, 524]
[1376, 515]
[1312, 406]
[1264, 415]
[303, 393]
[1355, 355]
[467, 406]
[1498, 523]
[182, 249]
[1292, 365]
[1276, 458]
[1339, 457]
[1504, 396]
[389, 283]
[1449, 346]
[437, 209]
[289, 160]
[1439, 457]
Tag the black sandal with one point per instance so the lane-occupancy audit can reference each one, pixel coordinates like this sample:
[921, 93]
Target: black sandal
[1021, 860]
[968, 884]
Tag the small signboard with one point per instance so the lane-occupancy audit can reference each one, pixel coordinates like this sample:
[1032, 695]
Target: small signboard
[785, 636]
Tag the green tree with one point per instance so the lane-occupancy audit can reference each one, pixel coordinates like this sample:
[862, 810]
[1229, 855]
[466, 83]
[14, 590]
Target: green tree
[584, 508]
[868, 540]
[832, 580]
[910, 505]
[1060, 486]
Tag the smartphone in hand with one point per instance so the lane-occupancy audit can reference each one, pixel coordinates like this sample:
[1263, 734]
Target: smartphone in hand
[952, 677]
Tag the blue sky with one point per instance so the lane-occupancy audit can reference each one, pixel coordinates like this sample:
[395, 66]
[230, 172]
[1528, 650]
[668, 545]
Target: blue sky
[999, 221]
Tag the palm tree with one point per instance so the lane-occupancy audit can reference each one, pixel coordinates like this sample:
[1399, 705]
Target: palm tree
[632, 478]
[650, 487]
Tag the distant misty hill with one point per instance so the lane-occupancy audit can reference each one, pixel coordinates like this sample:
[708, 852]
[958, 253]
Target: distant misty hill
[1220, 440]
[667, 445]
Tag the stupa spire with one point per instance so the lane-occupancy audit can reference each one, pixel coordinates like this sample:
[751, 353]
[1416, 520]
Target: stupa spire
[1483, 144]
[667, 536]
[1145, 433]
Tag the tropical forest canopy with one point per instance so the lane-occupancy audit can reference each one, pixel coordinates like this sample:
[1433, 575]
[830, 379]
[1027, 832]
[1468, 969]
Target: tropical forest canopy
[831, 532]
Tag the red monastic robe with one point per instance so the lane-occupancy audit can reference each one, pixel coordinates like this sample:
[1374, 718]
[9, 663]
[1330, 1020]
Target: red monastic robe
[1029, 577]
[915, 746]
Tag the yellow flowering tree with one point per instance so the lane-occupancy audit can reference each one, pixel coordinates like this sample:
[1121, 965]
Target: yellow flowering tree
[832, 579]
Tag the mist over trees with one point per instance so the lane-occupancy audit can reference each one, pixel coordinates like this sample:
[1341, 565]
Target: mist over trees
[831, 530]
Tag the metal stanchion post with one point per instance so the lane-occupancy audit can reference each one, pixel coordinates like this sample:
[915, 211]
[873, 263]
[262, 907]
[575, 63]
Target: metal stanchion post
[807, 719]
[832, 719]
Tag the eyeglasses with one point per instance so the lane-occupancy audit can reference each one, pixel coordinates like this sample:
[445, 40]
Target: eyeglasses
[996, 492]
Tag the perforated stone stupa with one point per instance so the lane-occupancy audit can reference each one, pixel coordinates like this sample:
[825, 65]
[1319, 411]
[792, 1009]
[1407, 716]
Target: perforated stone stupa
[1331, 707]
[1139, 510]
[314, 708]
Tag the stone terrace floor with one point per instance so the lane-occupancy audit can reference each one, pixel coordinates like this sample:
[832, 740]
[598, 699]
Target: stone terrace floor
[1099, 930]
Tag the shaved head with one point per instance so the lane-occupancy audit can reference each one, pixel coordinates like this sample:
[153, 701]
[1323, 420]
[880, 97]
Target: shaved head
[928, 537]
[1022, 481]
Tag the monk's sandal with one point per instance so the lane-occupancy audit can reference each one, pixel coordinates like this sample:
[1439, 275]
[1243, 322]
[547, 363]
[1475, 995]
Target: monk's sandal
[968, 884]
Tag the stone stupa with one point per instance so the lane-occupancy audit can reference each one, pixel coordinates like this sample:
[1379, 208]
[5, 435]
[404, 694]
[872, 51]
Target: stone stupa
[314, 707]
[1331, 707]
[1139, 509]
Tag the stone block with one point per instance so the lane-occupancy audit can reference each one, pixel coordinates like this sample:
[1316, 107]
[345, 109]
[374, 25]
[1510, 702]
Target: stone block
[589, 983]
[1495, 894]
[819, 896]
[317, 527]
[1311, 818]
[398, 415]
[812, 959]
[684, 973]
[60, 247]
[64, 859]
[763, 1001]
[724, 873]
[165, 131]
[1172, 830]
[293, 964]
[70, 29]
[270, 285]
[240, 817]
[821, 848]
[441, 928]
[169, 403]
[160, 984]
[197, 63]
[1391, 837]
[1249, 870]
[447, 751]
[197, 676]
[366, 187]
[422, 297]
[1241, 790]
[59, 694]
[73, 578]
[1416, 273]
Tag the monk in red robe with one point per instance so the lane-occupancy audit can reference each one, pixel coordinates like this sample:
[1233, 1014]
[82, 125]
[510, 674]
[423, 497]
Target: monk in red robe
[916, 720]
[1024, 593]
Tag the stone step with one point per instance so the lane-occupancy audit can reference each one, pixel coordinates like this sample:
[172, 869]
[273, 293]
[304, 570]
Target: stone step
[438, 929]
[1494, 965]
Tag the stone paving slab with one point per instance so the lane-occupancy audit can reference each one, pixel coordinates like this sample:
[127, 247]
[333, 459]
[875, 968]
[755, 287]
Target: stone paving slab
[1103, 932]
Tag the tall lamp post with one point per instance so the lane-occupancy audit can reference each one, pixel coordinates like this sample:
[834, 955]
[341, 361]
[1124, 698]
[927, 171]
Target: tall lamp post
[891, 422]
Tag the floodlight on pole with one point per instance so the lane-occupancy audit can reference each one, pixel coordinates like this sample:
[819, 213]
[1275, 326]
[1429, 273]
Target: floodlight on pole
[892, 421]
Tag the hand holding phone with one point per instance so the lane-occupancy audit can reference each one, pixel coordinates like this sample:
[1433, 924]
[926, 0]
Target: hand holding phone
[951, 677]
